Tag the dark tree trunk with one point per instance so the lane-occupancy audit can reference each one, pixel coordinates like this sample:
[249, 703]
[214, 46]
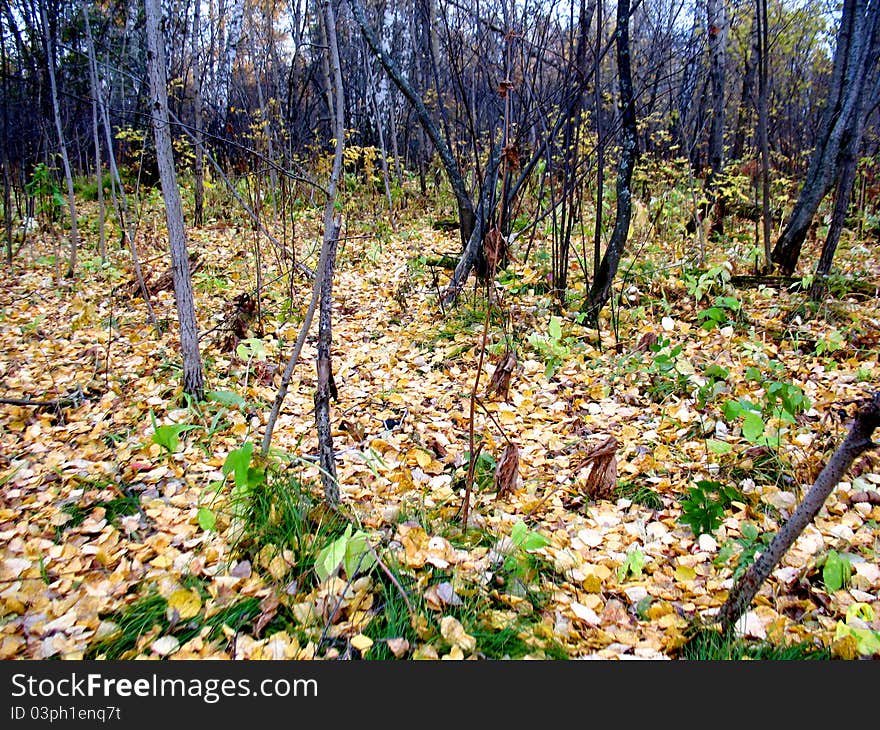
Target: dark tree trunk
[600, 292]
[746, 99]
[325, 386]
[193, 378]
[199, 160]
[848, 161]
[466, 213]
[62, 144]
[850, 62]
[716, 19]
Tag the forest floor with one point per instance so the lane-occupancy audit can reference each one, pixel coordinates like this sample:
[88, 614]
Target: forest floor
[122, 537]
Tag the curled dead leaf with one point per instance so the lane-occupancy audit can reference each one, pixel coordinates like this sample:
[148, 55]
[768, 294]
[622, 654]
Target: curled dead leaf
[499, 384]
[507, 471]
[602, 462]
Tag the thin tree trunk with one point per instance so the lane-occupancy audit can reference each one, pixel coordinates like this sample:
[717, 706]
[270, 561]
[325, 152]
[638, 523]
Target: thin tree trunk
[331, 233]
[600, 142]
[716, 17]
[466, 213]
[857, 441]
[7, 175]
[325, 388]
[193, 378]
[65, 160]
[763, 122]
[99, 172]
[600, 291]
[746, 98]
[199, 160]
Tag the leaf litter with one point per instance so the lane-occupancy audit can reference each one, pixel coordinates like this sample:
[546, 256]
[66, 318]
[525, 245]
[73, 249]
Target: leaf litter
[113, 540]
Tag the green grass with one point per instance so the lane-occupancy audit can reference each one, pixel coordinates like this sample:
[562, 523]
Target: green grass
[639, 494]
[710, 645]
[149, 612]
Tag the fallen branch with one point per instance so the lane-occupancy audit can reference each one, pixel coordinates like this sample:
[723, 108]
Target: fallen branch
[74, 398]
[857, 441]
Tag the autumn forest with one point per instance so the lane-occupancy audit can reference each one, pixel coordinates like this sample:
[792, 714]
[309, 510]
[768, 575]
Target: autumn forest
[443, 329]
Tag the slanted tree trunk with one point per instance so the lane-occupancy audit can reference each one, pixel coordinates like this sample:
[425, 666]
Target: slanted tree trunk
[466, 212]
[850, 62]
[848, 161]
[600, 291]
[332, 226]
[857, 441]
[62, 145]
[193, 378]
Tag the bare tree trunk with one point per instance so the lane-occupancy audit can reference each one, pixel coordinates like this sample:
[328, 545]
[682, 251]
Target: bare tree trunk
[68, 173]
[851, 61]
[193, 378]
[763, 122]
[199, 160]
[325, 387]
[331, 234]
[846, 176]
[716, 17]
[227, 58]
[746, 98]
[99, 172]
[600, 291]
[466, 213]
[857, 441]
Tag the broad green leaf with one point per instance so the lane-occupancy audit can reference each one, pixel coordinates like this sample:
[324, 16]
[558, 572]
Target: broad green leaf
[168, 436]
[753, 426]
[555, 328]
[358, 556]
[518, 533]
[534, 540]
[238, 462]
[749, 531]
[329, 559]
[718, 447]
[836, 571]
[226, 398]
[207, 519]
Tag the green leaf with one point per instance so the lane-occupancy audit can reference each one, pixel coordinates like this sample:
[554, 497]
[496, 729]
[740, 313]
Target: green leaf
[635, 561]
[329, 559]
[238, 462]
[358, 556]
[555, 328]
[534, 540]
[753, 426]
[836, 572]
[207, 519]
[168, 436]
[518, 533]
[718, 447]
[749, 531]
[226, 398]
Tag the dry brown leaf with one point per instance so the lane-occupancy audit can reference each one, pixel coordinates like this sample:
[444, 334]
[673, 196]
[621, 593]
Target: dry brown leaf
[507, 471]
[602, 477]
[500, 381]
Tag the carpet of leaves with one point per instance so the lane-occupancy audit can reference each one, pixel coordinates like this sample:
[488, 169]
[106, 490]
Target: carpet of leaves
[97, 519]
